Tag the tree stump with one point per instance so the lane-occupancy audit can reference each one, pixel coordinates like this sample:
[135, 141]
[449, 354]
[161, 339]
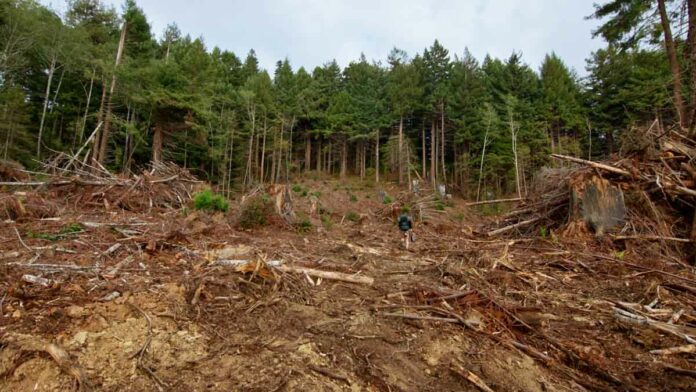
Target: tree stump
[596, 205]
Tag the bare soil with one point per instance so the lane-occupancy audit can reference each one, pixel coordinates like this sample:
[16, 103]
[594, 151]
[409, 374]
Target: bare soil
[521, 314]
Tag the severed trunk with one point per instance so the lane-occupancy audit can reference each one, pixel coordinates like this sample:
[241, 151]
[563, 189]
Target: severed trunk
[319, 167]
[344, 159]
[262, 175]
[423, 151]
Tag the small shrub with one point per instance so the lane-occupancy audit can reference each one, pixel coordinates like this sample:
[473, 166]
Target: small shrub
[352, 216]
[543, 232]
[255, 212]
[326, 221]
[353, 198]
[316, 193]
[406, 209]
[304, 226]
[297, 188]
[387, 200]
[304, 193]
[72, 228]
[440, 206]
[209, 201]
[459, 217]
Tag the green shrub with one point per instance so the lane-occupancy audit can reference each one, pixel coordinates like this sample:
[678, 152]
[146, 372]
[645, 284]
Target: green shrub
[326, 221]
[353, 198]
[297, 188]
[406, 209]
[387, 200]
[209, 201]
[255, 212]
[459, 217]
[316, 193]
[72, 228]
[304, 226]
[352, 216]
[440, 206]
[543, 232]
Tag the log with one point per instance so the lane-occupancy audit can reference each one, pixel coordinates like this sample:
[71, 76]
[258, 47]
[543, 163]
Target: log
[650, 238]
[327, 274]
[413, 316]
[478, 203]
[602, 166]
[686, 349]
[512, 227]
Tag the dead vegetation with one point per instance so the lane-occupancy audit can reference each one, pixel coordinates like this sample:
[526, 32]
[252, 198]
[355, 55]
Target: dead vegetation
[117, 287]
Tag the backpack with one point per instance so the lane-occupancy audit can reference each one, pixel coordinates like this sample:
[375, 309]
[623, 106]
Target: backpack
[404, 223]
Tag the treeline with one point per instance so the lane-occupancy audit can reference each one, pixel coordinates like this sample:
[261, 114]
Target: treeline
[100, 79]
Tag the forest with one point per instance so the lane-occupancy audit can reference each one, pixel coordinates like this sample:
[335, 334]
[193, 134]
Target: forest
[482, 126]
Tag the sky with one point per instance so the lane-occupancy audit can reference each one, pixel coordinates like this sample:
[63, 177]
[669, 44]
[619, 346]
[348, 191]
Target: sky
[312, 32]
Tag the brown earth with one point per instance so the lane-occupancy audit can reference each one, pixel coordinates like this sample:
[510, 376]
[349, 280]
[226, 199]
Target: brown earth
[529, 314]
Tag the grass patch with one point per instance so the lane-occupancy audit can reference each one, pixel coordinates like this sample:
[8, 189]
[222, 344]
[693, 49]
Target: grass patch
[353, 198]
[326, 221]
[206, 200]
[304, 225]
[66, 231]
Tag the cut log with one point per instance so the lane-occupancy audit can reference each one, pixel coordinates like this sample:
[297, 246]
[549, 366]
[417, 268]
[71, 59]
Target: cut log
[327, 274]
[601, 166]
[478, 203]
[513, 227]
[687, 349]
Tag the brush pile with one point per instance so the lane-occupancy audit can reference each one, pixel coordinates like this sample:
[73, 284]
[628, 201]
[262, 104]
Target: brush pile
[646, 194]
[164, 185]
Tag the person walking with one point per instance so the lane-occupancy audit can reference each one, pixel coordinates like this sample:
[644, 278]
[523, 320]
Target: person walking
[405, 224]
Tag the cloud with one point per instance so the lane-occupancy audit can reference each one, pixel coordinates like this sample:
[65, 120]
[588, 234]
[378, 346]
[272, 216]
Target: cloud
[312, 32]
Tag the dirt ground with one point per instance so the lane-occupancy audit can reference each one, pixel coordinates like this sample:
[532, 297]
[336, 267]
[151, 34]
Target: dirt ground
[460, 311]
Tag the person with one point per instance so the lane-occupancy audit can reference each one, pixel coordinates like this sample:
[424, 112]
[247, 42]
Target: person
[406, 226]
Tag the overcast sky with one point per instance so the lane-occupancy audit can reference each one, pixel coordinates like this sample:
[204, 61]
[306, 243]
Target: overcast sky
[310, 33]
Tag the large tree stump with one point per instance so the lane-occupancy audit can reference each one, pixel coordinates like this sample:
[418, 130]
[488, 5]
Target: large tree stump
[596, 205]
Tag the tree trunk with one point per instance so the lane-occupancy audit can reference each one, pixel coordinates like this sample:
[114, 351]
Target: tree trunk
[513, 135]
[377, 157]
[51, 71]
[308, 154]
[671, 50]
[483, 156]
[319, 147]
[157, 138]
[104, 142]
[279, 164]
[400, 155]
[423, 152]
[229, 163]
[442, 141]
[262, 174]
[433, 146]
[251, 110]
[55, 95]
[344, 159]
[691, 50]
[89, 99]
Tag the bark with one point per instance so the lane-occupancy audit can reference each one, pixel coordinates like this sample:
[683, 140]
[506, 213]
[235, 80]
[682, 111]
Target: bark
[400, 155]
[104, 142]
[513, 135]
[229, 164]
[671, 50]
[55, 95]
[51, 71]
